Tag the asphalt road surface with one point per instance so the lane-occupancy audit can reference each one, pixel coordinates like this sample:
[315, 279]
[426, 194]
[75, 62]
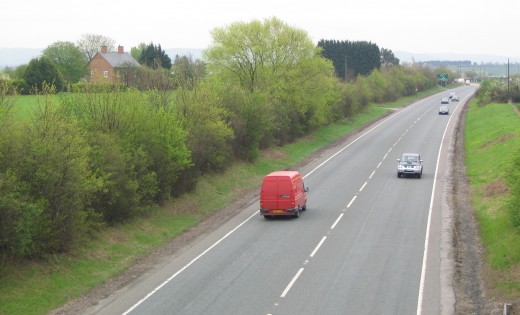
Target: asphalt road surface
[369, 242]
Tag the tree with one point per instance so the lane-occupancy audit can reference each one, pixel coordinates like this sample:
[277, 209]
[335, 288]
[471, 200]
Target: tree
[188, 72]
[388, 58]
[69, 60]
[40, 71]
[155, 57]
[136, 51]
[272, 79]
[351, 59]
[90, 44]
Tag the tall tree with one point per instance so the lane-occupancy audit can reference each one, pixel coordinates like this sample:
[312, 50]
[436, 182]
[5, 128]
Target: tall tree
[155, 57]
[272, 79]
[69, 60]
[40, 71]
[188, 72]
[388, 58]
[90, 44]
[136, 51]
[351, 59]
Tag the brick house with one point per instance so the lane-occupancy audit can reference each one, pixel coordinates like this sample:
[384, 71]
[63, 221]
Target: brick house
[112, 67]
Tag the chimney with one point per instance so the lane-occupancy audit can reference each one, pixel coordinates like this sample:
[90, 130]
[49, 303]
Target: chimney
[103, 49]
[120, 49]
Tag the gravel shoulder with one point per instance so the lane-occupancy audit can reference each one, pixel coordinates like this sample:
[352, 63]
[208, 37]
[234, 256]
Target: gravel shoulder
[468, 286]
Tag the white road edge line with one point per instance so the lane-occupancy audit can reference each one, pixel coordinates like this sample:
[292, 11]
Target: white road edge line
[336, 222]
[318, 246]
[284, 293]
[427, 236]
[187, 265]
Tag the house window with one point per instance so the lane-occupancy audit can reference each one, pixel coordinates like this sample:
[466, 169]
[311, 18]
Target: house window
[105, 74]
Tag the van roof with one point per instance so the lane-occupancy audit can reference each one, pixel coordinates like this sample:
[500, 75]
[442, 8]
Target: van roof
[284, 173]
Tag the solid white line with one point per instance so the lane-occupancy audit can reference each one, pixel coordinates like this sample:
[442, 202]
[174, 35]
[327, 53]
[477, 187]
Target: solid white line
[363, 187]
[336, 222]
[291, 283]
[187, 265]
[427, 236]
[318, 246]
[351, 201]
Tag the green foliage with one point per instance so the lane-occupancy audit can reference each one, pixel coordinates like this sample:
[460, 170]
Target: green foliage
[155, 57]
[188, 72]
[498, 91]
[388, 58]
[87, 87]
[209, 135]
[42, 71]
[69, 60]
[351, 59]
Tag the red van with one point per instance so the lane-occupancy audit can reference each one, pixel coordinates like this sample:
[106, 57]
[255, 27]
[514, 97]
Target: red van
[283, 193]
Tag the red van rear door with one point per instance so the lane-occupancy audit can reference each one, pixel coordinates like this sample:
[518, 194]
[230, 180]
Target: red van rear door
[277, 193]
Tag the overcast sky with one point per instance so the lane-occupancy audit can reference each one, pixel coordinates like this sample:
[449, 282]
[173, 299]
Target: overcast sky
[417, 26]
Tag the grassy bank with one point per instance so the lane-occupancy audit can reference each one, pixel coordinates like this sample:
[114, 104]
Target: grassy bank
[492, 136]
[38, 287]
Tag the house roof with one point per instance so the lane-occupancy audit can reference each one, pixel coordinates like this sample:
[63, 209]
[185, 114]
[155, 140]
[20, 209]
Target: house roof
[118, 60]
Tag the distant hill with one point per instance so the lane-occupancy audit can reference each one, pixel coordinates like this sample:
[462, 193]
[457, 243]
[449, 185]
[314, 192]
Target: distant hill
[13, 57]
[195, 53]
[474, 58]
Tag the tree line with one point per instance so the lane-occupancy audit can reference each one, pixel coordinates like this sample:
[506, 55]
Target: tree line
[94, 157]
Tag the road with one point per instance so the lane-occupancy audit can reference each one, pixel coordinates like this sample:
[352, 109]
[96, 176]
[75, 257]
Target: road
[369, 243]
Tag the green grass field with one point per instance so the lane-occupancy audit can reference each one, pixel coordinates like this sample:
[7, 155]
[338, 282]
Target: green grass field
[492, 136]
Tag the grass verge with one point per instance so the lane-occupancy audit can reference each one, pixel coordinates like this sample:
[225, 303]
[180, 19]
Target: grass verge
[36, 287]
[492, 136]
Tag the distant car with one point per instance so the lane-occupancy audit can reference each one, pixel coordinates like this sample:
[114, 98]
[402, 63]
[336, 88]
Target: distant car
[444, 110]
[452, 94]
[410, 164]
[455, 98]
[445, 100]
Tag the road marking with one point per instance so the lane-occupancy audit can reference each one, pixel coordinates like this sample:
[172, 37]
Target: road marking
[188, 264]
[284, 293]
[318, 246]
[427, 236]
[351, 201]
[363, 187]
[337, 220]
[370, 177]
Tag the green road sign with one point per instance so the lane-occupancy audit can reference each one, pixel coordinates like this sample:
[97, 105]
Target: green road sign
[442, 76]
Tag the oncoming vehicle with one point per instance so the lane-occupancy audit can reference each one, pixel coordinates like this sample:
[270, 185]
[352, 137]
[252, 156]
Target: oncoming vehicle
[455, 98]
[283, 194]
[445, 100]
[410, 164]
[443, 110]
